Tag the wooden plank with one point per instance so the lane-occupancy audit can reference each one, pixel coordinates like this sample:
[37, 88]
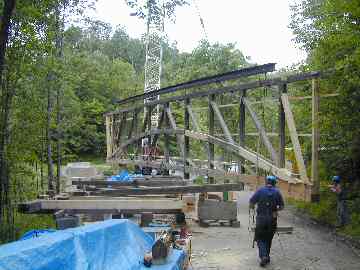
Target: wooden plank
[196, 126]
[134, 124]
[216, 210]
[222, 122]
[186, 139]
[29, 207]
[135, 183]
[161, 121]
[269, 134]
[294, 137]
[291, 98]
[260, 128]
[173, 126]
[211, 146]
[108, 137]
[130, 191]
[122, 127]
[242, 130]
[193, 118]
[315, 191]
[115, 204]
[282, 126]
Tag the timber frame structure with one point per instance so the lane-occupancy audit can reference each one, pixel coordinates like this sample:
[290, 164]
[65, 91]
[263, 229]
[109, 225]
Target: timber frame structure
[180, 123]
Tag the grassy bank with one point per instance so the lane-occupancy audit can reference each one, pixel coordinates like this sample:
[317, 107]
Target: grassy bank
[324, 212]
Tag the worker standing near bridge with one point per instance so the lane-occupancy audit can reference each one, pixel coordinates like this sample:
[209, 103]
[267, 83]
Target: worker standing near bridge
[269, 201]
[342, 210]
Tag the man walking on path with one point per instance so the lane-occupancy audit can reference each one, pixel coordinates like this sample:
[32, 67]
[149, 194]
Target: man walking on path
[269, 201]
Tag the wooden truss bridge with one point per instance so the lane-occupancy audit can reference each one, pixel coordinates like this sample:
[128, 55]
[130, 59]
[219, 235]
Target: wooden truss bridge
[204, 125]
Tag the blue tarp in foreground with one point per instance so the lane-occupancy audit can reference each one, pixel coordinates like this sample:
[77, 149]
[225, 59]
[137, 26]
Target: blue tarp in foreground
[108, 245]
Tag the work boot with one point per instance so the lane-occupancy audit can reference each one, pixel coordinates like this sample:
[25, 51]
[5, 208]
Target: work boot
[263, 261]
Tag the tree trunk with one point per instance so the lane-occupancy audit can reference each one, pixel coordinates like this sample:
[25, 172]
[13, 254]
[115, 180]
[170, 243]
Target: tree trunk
[5, 23]
[48, 136]
[59, 94]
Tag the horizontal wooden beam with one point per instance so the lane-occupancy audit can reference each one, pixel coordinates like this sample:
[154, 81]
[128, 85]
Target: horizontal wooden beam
[100, 205]
[310, 97]
[269, 134]
[135, 183]
[125, 191]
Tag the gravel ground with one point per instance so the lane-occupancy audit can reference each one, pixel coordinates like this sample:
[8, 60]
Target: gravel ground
[310, 247]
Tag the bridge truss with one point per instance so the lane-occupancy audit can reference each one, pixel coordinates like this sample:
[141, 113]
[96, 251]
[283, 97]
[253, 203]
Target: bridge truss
[214, 112]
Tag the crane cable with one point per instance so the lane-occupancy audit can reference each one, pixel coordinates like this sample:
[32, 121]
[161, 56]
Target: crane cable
[201, 19]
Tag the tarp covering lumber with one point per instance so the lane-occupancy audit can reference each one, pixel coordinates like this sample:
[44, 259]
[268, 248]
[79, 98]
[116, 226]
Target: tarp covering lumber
[108, 245]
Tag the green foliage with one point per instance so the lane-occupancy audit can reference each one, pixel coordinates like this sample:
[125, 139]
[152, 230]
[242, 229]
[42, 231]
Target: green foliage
[200, 180]
[324, 211]
[25, 223]
[328, 30]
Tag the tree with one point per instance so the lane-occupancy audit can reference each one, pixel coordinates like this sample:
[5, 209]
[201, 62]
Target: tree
[329, 31]
[6, 97]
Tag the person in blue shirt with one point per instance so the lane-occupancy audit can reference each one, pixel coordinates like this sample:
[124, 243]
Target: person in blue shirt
[341, 195]
[269, 201]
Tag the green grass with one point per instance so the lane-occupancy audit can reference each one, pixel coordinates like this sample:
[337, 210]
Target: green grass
[28, 222]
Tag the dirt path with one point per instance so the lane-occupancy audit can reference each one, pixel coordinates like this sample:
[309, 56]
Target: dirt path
[310, 247]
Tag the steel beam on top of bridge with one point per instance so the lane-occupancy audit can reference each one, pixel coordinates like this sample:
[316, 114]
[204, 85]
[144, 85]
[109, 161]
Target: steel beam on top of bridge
[129, 191]
[222, 90]
[101, 205]
[244, 72]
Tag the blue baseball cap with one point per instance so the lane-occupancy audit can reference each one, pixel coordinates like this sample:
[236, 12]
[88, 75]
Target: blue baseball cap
[336, 179]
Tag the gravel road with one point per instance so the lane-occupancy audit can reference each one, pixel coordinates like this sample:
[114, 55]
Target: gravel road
[310, 247]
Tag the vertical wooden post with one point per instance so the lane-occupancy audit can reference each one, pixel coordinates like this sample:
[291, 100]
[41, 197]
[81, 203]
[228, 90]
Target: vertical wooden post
[315, 191]
[108, 137]
[242, 130]
[186, 138]
[167, 139]
[148, 121]
[282, 127]
[211, 133]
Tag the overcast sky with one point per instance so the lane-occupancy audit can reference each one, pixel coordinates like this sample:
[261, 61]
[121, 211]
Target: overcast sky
[259, 27]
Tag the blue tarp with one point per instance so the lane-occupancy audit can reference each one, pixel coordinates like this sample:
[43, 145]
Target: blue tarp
[108, 245]
[35, 233]
[124, 176]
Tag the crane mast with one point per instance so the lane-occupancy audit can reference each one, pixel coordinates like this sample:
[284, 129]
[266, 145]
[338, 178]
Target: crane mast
[153, 48]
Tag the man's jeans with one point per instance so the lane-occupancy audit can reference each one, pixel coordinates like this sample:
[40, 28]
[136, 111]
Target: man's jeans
[264, 246]
[264, 233]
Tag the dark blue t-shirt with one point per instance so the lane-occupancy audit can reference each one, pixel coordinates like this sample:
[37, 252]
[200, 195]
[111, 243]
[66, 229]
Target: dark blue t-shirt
[268, 200]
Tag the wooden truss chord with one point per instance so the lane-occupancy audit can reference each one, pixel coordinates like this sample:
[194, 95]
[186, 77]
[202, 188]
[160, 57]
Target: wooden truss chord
[261, 130]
